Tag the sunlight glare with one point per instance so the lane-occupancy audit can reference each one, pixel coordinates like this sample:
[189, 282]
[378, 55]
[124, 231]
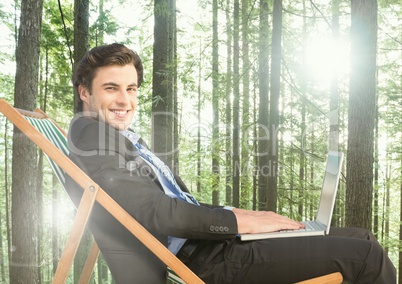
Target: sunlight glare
[325, 58]
[65, 213]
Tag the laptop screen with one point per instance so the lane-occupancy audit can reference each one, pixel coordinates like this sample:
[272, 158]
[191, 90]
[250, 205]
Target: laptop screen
[329, 187]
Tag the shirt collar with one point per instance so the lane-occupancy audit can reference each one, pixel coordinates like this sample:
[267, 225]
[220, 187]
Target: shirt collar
[131, 135]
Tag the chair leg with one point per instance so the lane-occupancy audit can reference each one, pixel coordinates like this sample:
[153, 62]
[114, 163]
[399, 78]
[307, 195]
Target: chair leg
[74, 238]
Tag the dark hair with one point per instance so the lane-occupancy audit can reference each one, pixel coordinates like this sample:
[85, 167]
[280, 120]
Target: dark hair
[113, 54]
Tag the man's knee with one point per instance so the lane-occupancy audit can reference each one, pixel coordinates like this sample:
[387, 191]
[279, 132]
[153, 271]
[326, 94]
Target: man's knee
[359, 233]
[365, 234]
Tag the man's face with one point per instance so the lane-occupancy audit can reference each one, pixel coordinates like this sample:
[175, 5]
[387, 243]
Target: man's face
[114, 95]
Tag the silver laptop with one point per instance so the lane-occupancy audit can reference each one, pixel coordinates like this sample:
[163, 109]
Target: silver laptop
[321, 225]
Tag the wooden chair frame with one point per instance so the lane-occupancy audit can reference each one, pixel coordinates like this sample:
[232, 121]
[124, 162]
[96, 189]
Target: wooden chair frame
[92, 192]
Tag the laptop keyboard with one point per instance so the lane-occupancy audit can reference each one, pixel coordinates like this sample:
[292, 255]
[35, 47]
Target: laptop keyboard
[310, 226]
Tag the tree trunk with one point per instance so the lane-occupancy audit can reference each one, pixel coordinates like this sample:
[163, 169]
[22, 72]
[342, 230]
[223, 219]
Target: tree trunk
[228, 106]
[400, 218]
[274, 104]
[39, 202]
[101, 24]
[333, 143]
[82, 255]
[361, 117]
[199, 103]
[81, 46]
[376, 178]
[215, 106]
[176, 125]
[23, 266]
[81, 33]
[263, 115]
[7, 195]
[55, 222]
[39, 182]
[334, 94]
[236, 107]
[302, 204]
[255, 147]
[302, 169]
[245, 148]
[2, 266]
[164, 70]
[103, 271]
[388, 178]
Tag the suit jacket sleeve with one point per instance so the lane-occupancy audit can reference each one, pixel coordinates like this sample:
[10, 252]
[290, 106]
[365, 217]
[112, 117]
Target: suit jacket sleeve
[111, 161]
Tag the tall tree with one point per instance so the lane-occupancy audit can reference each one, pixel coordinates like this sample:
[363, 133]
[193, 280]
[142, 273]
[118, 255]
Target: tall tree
[236, 106]
[274, 103]
[303, 90]
[361, 116]
[376, 177]
[199, 104]
[228, 104]
[215, 105]
[263, 115]
[101, 24]
[176, 116]
[81, 32]
[23, 266]
[334, 93]
[163, 83]
[55, 221]
[39, 202]
[2, 265]
[245, 180]
[334, 102]
[7, 196]
[81, 46]
[400, 214]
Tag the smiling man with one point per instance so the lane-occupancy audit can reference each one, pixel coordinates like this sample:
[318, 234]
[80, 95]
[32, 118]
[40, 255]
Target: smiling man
[203, 236]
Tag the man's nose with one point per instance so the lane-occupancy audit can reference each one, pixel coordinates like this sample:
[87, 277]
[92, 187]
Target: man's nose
[123, 97]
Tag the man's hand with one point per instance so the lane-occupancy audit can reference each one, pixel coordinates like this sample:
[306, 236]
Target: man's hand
[263, 222]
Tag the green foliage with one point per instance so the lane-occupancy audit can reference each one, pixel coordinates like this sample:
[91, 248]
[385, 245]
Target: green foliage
[56, 59]
[7, 86]
[104, 24]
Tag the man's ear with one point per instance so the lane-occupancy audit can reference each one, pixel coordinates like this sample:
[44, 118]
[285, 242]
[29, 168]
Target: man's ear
[83, 93]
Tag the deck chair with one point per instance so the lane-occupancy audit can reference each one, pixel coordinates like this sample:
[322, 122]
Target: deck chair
[51, 139]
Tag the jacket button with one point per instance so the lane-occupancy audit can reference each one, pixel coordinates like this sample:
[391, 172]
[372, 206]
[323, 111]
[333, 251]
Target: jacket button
[216, 228]
[226, 229]
[221, 228]
[212, 228]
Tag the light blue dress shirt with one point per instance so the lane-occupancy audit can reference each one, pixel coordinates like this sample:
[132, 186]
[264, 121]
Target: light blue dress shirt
[167, 180]
[170, 187]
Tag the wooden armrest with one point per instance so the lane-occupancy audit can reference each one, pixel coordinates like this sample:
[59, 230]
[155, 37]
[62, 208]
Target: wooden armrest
[333, 278]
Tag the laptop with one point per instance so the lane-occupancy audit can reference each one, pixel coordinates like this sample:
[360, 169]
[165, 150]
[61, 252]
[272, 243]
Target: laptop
[321, 225]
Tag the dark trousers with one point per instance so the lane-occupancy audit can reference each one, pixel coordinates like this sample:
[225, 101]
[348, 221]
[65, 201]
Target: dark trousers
[353, 252]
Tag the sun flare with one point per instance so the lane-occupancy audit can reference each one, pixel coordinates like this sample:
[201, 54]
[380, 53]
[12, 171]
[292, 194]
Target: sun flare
[326, 57]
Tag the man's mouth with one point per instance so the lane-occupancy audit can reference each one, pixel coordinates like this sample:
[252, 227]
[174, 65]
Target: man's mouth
[119, 112]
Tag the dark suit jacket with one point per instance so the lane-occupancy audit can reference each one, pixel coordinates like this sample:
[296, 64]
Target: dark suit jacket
[110, 160]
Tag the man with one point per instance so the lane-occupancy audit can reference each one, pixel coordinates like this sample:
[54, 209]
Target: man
[106, 82]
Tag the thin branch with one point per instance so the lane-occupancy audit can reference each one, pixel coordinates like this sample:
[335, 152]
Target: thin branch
[321, 13]
[65, 33]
